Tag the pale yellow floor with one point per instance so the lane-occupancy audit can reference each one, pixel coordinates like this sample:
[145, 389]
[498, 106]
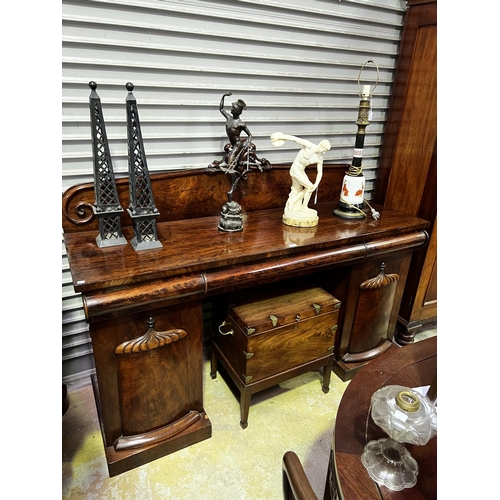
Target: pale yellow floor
[233, 464]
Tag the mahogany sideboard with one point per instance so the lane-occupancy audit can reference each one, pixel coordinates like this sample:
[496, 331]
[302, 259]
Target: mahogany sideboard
[144, 308]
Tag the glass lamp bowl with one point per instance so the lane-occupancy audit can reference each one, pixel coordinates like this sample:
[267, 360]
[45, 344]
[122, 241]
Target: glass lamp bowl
[407, 417]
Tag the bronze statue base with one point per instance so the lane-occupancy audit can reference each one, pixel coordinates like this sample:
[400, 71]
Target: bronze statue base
[231, 219]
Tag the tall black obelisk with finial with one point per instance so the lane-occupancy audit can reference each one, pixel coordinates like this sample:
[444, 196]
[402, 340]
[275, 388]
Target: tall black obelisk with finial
[107, 206]
[142, 207]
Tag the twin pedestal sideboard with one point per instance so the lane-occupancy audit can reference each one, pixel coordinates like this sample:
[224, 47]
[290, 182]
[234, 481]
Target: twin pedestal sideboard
[144, 308]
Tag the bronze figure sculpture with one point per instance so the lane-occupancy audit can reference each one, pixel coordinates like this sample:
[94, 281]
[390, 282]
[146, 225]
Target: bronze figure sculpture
[239, 158]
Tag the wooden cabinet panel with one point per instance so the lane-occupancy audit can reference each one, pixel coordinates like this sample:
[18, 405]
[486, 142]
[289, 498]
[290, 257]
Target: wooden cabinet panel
[426, 297]
[370, 312]
[418, 128]
[407, 174]
[149, 384]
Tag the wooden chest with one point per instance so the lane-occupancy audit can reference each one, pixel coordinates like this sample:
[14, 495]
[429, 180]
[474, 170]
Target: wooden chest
[263, 340]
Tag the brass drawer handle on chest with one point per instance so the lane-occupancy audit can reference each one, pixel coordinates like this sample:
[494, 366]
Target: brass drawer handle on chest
[230, 332]
[274, 319]
[317, 308]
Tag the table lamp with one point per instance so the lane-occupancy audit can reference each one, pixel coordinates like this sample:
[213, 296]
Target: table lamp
[352, 193]
[407, 417]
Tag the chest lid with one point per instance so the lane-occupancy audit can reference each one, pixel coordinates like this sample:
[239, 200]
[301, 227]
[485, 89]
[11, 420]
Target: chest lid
[255, 315]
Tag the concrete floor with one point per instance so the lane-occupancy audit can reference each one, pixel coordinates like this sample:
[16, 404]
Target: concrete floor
[233, 464]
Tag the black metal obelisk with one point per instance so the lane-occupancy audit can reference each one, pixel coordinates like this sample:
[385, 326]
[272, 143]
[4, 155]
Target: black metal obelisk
[142, 207]
[107, 206]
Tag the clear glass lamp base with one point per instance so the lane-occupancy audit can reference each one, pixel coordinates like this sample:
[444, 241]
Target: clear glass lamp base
[390, 464]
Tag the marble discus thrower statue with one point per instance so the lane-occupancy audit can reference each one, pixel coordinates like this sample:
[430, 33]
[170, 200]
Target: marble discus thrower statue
[297, 213]
[239, 158]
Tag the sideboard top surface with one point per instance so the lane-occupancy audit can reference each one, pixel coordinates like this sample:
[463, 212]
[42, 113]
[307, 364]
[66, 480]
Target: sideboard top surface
[196, 245]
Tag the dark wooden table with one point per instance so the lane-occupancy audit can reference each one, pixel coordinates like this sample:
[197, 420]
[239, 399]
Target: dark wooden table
[410, 366]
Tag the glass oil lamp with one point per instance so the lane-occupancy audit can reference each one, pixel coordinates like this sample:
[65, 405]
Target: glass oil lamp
[407, 417]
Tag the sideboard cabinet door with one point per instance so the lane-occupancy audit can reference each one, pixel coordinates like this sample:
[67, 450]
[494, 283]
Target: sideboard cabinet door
[370, 315]
[149, 389]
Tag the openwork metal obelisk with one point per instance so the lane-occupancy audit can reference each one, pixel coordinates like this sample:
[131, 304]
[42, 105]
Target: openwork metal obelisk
[107, 206]
[142, 207]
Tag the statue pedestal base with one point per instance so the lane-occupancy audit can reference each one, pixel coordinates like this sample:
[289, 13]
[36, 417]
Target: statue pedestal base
[231, 219]
[301, 219]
